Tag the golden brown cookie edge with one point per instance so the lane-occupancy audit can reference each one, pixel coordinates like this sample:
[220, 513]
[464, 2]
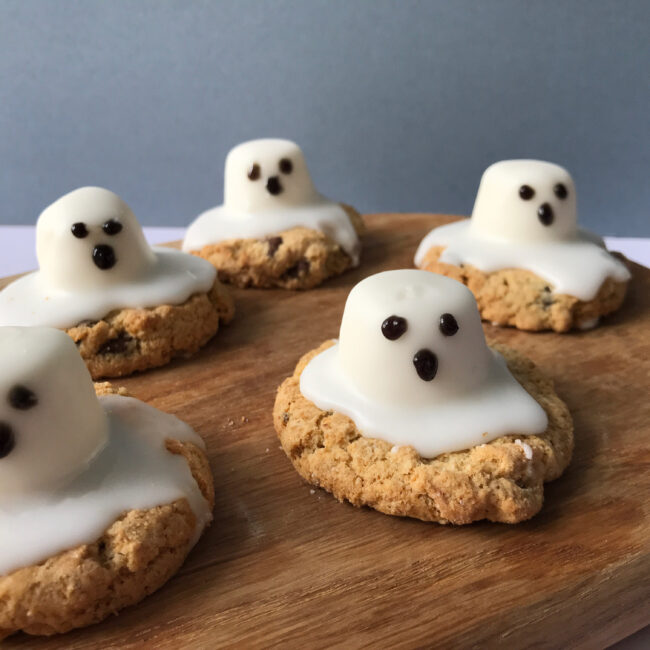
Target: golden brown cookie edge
[521, 299]
[151, 337]
[493, 481]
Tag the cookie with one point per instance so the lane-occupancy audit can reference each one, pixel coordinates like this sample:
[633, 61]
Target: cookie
[274, 229]
[298, 258]
[130, 340]
[408, 411]
[134, 557]
[104, 495]
[523, 254]
[523, 300]
[128, 306]
[501, 481]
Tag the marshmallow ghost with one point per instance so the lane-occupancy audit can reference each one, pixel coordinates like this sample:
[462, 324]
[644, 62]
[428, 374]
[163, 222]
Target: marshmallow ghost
[72, 463]
[412, 367]
[88, 239]
[525, 200]
[51, 424]
[93, 259]
[524, 217]
[267, 174]
[268, 189]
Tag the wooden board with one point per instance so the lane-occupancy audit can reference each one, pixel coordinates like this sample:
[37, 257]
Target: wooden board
[284, 564]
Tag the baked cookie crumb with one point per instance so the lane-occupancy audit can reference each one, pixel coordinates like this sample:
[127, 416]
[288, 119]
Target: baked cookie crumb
[501, 481]
[299, 258]
[520, 298]
[129, 340]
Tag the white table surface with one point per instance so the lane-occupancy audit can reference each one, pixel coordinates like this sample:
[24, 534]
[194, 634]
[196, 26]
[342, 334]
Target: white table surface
[17, 247]
[17, 255]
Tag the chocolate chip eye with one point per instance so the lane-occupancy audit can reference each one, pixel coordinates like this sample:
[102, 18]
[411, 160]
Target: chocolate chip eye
[79, 230]
[561, 191]
[448, 325]
[112, 227]
[286, 166]
[21, 398]
[393, 327]
[254, 172]
[7, 440]
[426, 364]
[526, 192]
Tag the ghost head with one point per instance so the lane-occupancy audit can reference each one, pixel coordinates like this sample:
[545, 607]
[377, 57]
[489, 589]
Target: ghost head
[525, 200]
[88, 239]
[51, 423]
[412, 337]
[267, 174]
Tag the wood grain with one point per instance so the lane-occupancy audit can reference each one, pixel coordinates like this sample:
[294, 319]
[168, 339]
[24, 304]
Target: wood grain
[284, 564]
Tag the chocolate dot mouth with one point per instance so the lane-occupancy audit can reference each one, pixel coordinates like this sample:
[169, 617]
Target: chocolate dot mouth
[7, 439]
[545, 214]
[104, 257]
[273, 185]
[426, 364]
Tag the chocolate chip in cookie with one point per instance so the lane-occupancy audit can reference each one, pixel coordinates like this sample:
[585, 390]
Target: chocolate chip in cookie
[274, 243]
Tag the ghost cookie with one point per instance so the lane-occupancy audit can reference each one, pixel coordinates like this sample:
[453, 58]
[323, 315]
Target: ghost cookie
[274, 229]
[127, 306]
[411, 413]
[101, 496]
[522, 254]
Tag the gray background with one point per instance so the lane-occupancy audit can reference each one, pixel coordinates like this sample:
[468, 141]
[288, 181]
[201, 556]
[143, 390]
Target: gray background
[399, 105]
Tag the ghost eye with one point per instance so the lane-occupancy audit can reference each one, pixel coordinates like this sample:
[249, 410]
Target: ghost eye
[393, 327]
[7, 440]
[561, 191]
[22, 398]
[526, 192]
[254, 172]
[286, 166]
[79, 230]
[112, 227]
[448, 324]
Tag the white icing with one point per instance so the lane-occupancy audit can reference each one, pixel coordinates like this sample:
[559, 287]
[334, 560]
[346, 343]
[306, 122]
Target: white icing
[577, 267]
[505, 231]
[473, 398]
[526, 448]
[69, 287]
[250, 210]
[173, 279]
[77, 462]
[64, 428]
[133, 471]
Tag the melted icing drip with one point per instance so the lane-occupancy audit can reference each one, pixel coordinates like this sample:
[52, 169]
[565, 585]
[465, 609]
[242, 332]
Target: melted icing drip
[133, 471]
[171, 280]
[223, 223]
[576, 267]
[497, 406]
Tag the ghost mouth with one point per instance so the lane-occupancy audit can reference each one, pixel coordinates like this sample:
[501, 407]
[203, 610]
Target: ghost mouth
[273, 185]
[104, 257]
[426, 364]
[7, 439]
[545, 214]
